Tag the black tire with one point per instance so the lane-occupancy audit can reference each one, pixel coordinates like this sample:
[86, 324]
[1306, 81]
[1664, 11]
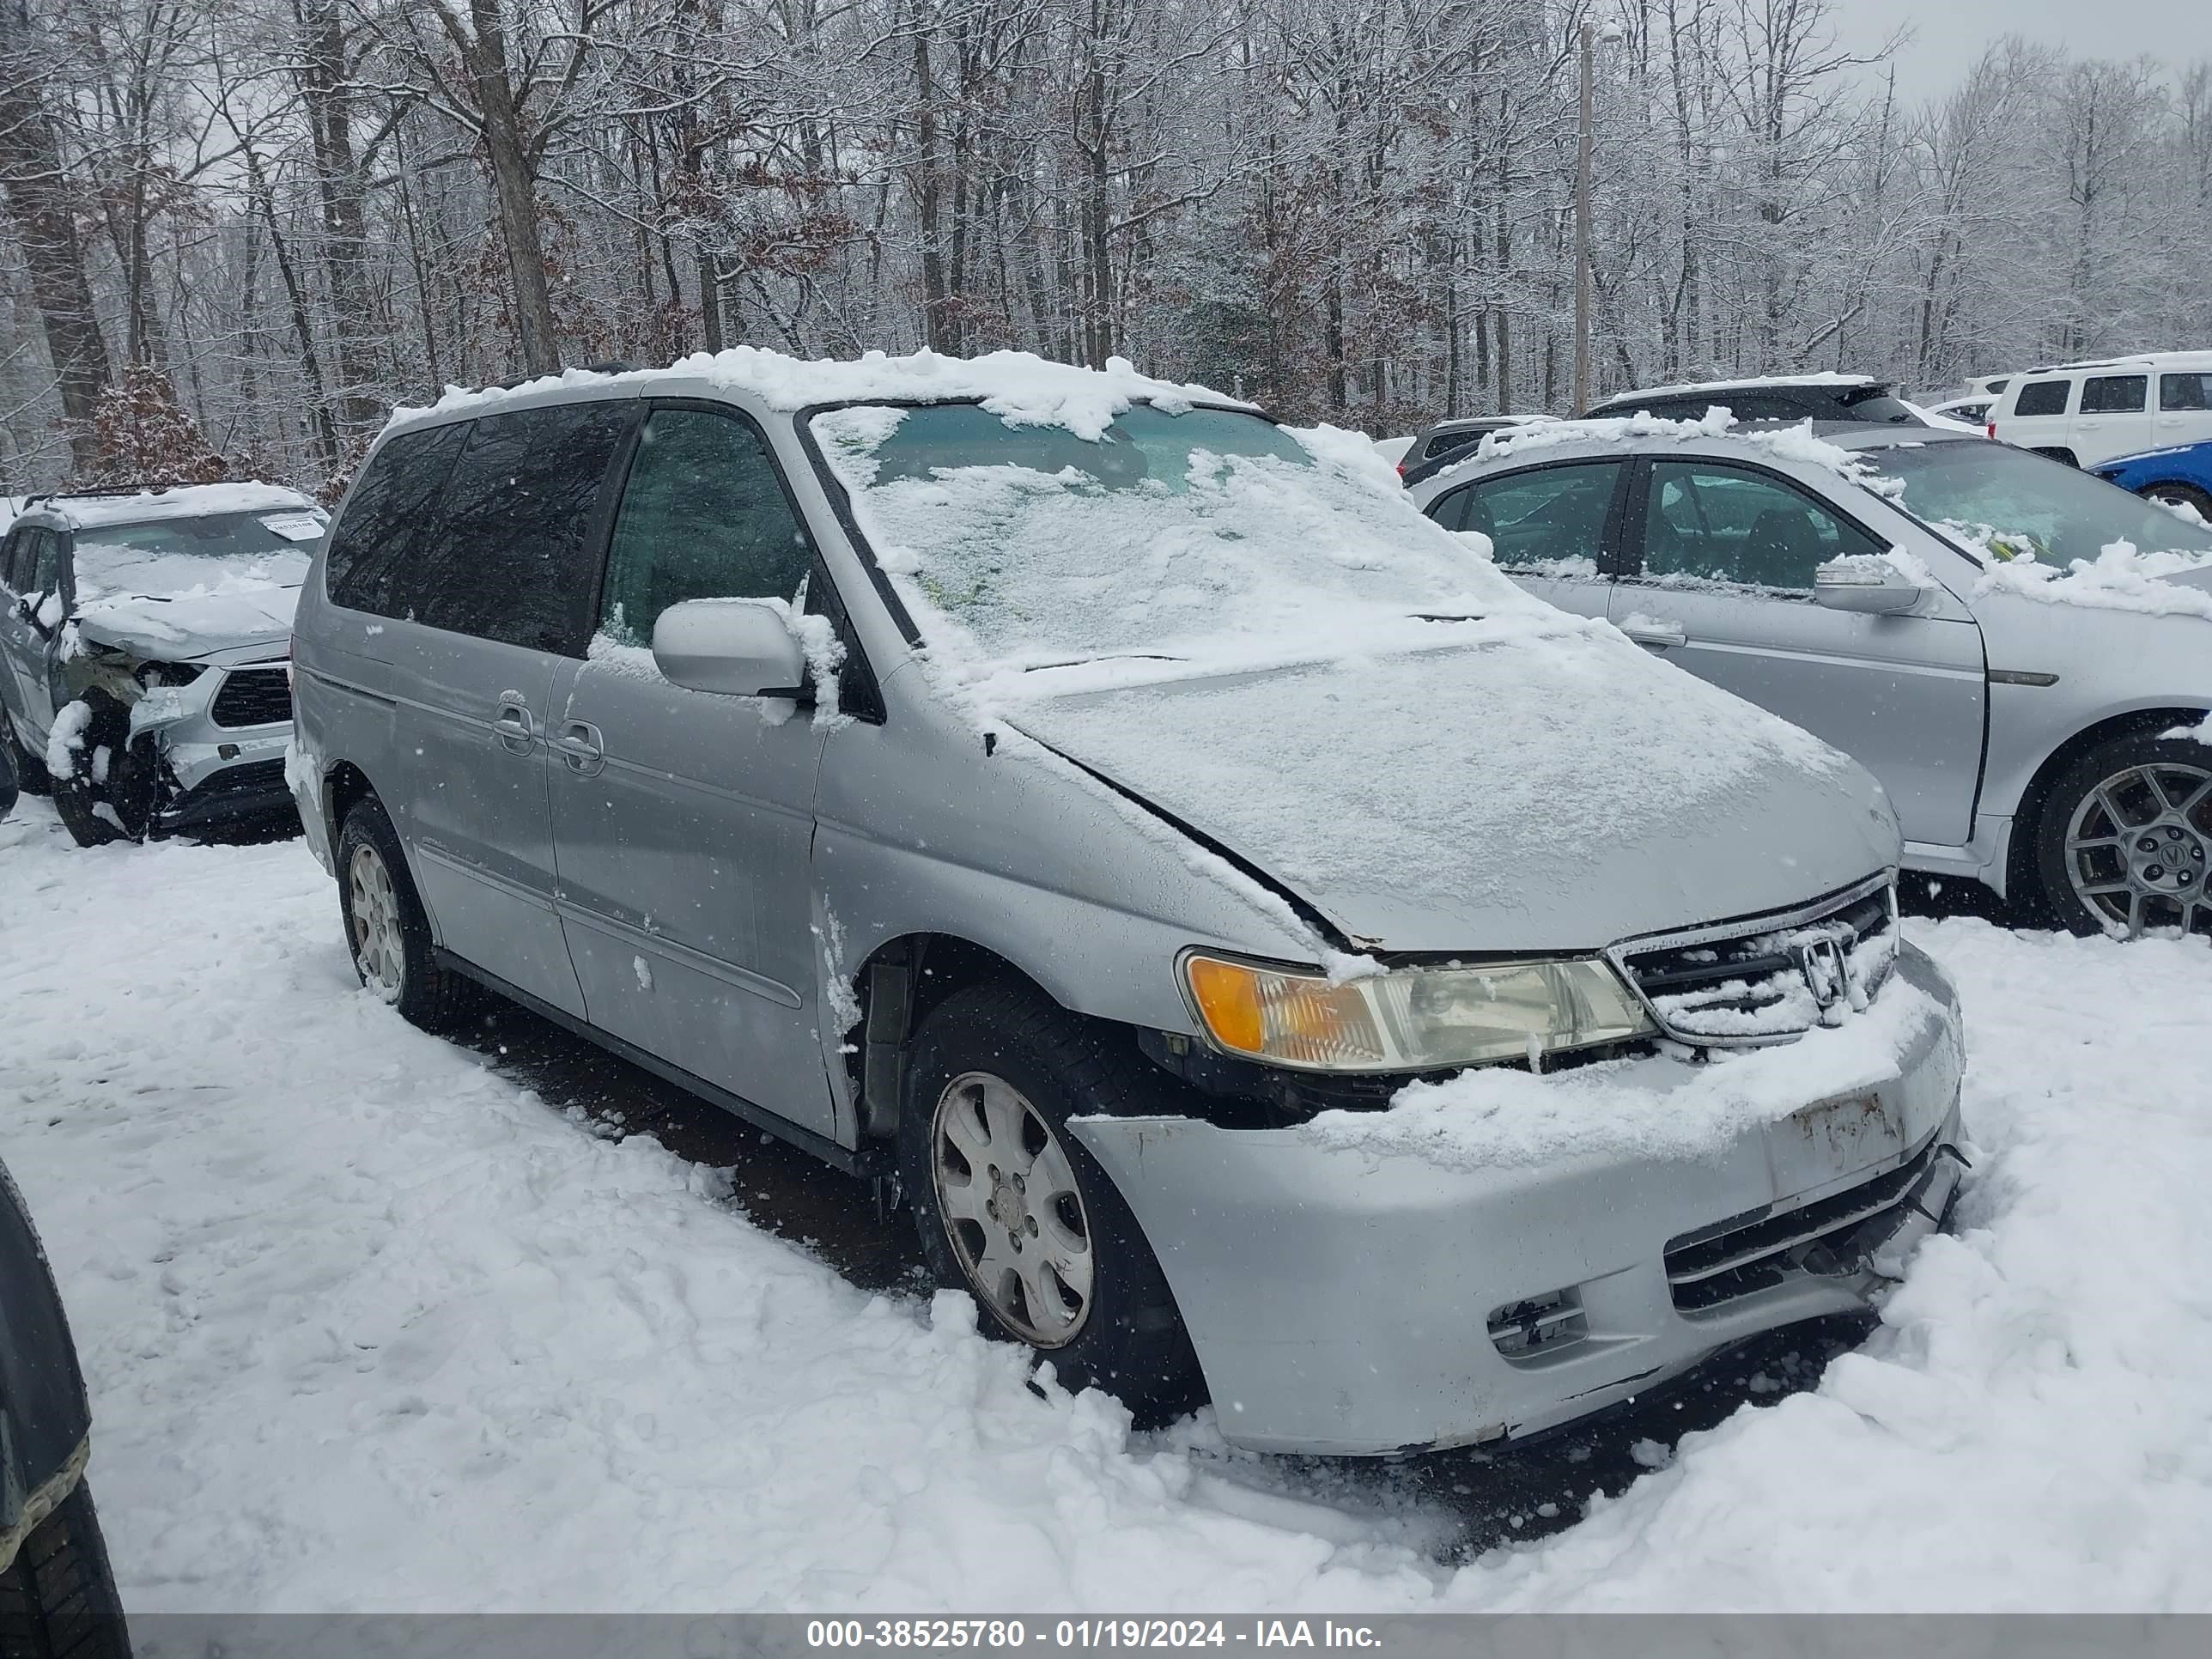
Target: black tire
[2181, 495]
[2185, 869]
[30, 770]
[57, 1601]
[406, 973]
[1131, 1341]
[78, 796]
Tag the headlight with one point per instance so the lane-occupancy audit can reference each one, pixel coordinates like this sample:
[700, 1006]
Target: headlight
[1411, 1019]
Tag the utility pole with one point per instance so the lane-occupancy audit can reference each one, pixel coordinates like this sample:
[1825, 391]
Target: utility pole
[1582, 231]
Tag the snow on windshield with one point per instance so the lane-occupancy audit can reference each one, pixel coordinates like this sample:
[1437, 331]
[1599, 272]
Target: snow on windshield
[2048, 531]
[1204, 534]
[171, 556]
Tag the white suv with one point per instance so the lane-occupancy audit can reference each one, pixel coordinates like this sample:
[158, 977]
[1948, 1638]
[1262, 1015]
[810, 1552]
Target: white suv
[2087, 413]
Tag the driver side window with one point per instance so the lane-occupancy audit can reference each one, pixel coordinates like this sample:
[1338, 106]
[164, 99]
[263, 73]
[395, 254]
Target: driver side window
[1716, 523]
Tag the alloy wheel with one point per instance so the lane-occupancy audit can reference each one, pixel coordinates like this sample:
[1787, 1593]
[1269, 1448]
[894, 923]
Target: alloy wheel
[373, 911]
[1012, 1209]
[2139, 849]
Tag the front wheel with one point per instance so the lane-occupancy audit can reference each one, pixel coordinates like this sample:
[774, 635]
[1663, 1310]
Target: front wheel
[57, 1597]
[2124, 841]
[112, 784]
[1013, 1210]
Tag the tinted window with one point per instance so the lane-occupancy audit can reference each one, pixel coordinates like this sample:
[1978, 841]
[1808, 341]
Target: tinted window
[1450, 443]
[378, 525]
[1874, 403]
[1724, 525]
[510, 554]
[1537, 518]
[40, 564]
[2043, 397]
[2184, 392]
[2114, 394]
[16, 554]
[703, 517]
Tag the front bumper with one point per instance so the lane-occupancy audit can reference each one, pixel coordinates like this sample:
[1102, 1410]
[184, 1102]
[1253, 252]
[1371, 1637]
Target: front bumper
[218, 773]
[1357, 1301]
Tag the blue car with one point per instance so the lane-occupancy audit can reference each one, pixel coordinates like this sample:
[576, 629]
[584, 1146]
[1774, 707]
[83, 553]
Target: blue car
[2178, 477]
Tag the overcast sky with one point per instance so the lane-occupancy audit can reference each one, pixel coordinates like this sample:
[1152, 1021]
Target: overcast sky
[1949, 34]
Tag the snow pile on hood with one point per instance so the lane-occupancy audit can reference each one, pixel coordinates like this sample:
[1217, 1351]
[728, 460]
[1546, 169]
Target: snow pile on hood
[2120, 578]
[155, 603]
[1018, 386]
[1657, 1108]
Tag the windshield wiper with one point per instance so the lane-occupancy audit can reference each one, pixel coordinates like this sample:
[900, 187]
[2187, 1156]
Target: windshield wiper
[1103, 656]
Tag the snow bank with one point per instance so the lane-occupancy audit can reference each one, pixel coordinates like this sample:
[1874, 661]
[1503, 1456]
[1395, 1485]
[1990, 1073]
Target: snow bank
[367, 1326]
[1018, 386]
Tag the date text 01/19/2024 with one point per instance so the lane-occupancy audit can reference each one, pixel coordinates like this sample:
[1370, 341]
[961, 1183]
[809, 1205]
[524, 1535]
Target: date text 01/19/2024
[1083, 1633]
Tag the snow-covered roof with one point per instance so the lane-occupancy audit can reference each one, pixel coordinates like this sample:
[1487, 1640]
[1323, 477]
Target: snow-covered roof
[184, 501]
[2183, 360]
[1018, 385]
[1798, 442]
[1825, 377]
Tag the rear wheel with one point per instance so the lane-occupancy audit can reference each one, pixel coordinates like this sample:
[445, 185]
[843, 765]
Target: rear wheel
[57, 1599]
[2124, 841]
[1013, 1210]
[387, 931]
[2181, 495]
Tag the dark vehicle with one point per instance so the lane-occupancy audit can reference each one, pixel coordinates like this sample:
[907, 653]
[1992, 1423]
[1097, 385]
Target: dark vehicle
[1437, 445]
[57, 1596]
[1791, 398]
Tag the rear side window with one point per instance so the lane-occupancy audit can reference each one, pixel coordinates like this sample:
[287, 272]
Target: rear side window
[1450, 443]
[2114, 394]
[2043, 397]
[1537, 518]
[510, 556]
[703, 516]
[376, 531]
[2184, 392]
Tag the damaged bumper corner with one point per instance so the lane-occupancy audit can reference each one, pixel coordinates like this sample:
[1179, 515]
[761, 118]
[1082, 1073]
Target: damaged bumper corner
[1357, 1301]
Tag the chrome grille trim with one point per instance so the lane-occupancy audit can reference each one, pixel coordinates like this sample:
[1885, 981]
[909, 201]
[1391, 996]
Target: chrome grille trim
[1767, 967]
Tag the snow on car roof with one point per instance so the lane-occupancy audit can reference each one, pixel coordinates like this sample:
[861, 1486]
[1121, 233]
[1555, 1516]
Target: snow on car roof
[1824, 377]
[1798, 442]
[1016, 385]
[182, 502]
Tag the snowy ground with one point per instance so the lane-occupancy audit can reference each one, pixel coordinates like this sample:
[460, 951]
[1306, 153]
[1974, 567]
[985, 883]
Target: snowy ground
[371, 1325]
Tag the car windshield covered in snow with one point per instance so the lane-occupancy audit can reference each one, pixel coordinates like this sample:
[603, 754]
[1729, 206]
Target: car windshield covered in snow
[176, 555]
[1162, 535]
[2007, 503]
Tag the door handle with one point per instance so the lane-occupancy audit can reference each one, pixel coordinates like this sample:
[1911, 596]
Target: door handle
[1656, 636]
[581, 744]
[512, 725]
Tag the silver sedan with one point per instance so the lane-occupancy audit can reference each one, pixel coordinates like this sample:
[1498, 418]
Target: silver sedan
[1913, 597]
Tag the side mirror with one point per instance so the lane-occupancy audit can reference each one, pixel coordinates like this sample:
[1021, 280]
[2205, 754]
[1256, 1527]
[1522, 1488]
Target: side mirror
[733, 648]
[1865, 583]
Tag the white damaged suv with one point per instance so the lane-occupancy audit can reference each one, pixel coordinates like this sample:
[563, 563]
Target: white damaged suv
[144, 639]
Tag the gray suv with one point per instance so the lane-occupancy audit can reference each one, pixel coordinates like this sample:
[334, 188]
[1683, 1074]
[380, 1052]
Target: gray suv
[1274, 958]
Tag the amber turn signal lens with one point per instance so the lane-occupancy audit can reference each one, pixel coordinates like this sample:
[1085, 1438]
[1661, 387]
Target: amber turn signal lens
[1228, 998]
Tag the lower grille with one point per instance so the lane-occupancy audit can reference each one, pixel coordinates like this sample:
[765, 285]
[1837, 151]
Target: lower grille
[254, 778]
[1539, 1327]
[1771, 982]
[1703, 1271]
[252, 696]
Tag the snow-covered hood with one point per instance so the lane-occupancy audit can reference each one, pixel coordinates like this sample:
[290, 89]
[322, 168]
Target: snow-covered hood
[1554, 792]
[179, 609]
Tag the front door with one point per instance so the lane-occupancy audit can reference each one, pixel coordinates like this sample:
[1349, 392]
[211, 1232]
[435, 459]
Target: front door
[684, 822]
[491, 617]
[1553, 528]
[1725, 589]
[31, 611]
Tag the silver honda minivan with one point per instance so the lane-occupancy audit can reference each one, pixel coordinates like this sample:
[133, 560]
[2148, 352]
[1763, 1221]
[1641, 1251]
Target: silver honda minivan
[1277, 960]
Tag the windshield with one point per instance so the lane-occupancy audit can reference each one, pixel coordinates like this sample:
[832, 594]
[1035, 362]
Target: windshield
[1166, 535]
[174, 556]
[2006, 503]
